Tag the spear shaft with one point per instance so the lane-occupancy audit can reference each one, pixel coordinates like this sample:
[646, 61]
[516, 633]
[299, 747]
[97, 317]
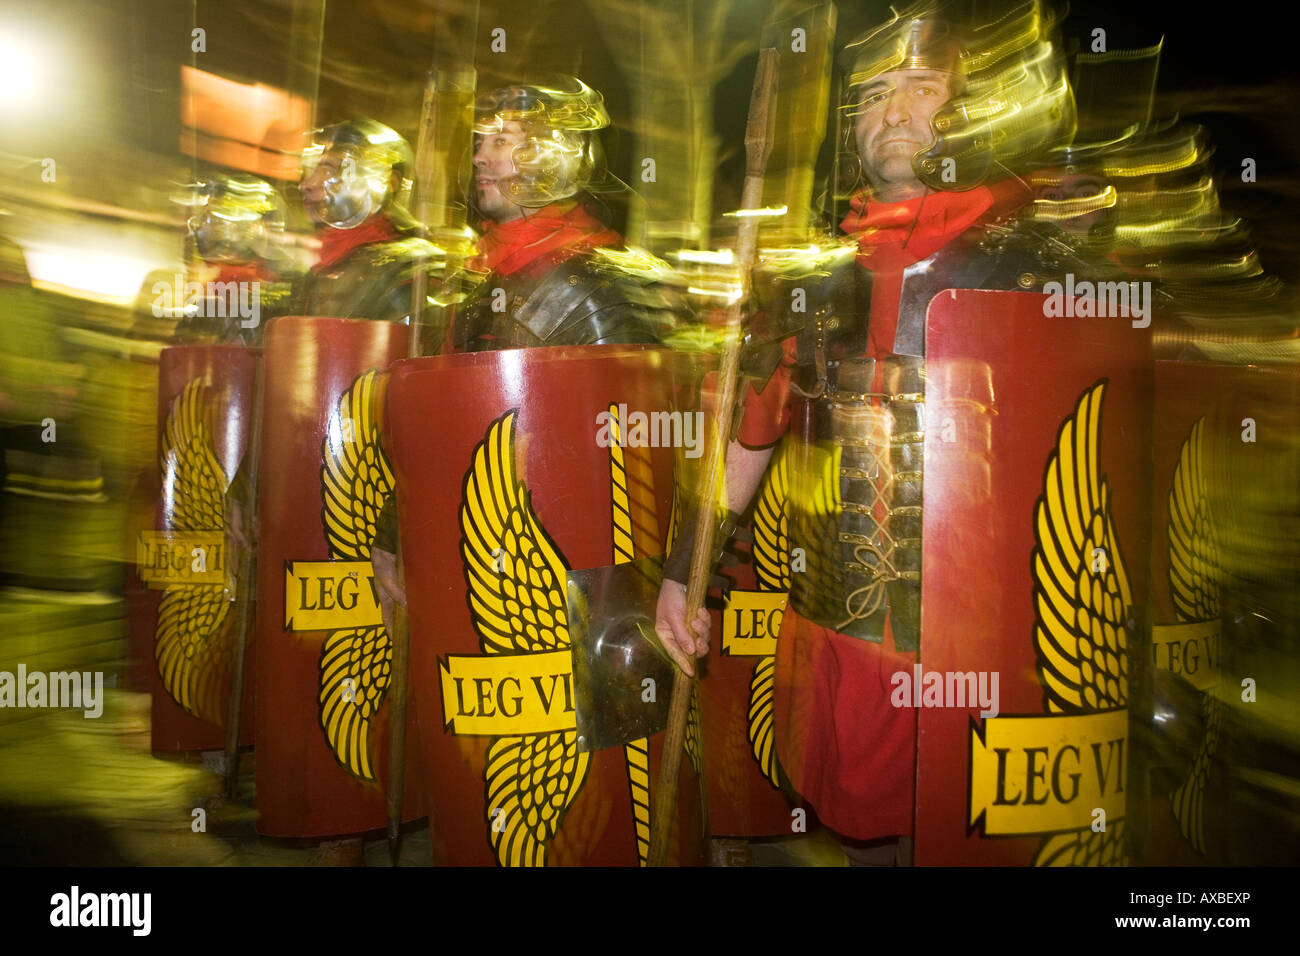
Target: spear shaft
[758, 146]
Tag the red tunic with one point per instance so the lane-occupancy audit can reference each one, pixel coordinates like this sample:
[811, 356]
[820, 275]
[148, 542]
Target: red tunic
[845, 748]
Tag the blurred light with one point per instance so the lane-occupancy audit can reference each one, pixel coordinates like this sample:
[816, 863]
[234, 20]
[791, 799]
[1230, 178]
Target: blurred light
[729, 296]
[87, 274]
[1063, 210]
[772, 212]
[22, 76]
[721, 257]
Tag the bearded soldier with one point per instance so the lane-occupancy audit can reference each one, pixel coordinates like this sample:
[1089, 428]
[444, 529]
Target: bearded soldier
[853, 374]
[355, 177]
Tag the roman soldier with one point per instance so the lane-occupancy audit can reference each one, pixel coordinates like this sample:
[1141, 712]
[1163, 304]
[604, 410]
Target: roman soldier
[356, 175]
[235, 223]
[553, 272]
[924, 216]
[537, 158]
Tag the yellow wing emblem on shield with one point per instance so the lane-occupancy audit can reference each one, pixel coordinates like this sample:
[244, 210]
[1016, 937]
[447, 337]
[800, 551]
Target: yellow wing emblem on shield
[1193, 549]
[1084, 847]
[516, 590]
[1081, 598]
[1081, 591]
[772, 526]
[356, 662]
[192, 637]
[1194, 584]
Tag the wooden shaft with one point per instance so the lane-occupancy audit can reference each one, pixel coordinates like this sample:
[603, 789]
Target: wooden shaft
[758, 145]
[665, 800]
[245, 593]
[397, 694]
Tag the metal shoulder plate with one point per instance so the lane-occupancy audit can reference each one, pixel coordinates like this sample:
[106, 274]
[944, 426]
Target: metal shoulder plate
[1020, 253]
[373, 282]
[587, 300]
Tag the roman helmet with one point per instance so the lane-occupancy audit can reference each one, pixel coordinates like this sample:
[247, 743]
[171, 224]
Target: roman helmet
[368, 154]
[1011, 98]
[234, 218]
[561, 155]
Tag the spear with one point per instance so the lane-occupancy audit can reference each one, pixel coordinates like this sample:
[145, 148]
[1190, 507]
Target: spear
[244, 592]
[303, 81]
[446, 122]
[758, 146]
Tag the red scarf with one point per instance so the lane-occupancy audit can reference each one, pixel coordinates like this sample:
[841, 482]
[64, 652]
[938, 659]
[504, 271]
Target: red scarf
[552, 232]
[335, 244]
[894, 235]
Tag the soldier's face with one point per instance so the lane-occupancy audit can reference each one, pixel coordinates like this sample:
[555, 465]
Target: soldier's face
[493, 162]
[893, 125]
[324, 181]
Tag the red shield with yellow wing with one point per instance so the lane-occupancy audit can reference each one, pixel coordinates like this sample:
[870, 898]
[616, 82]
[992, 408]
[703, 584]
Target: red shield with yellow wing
[1034, 578]
[183, 597]
[323, 655]
[1221, 431]
[532, 474]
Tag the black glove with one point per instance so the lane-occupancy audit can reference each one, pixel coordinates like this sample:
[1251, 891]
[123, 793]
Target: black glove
[677, 566]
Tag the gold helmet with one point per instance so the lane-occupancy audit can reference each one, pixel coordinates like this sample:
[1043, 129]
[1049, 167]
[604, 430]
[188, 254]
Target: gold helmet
[561, 154]
[369, 153]
[1010, 95]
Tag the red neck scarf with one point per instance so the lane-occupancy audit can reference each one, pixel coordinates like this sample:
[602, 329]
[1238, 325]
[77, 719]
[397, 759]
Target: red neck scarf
[336, 244]
[542, 239]
[893, 235]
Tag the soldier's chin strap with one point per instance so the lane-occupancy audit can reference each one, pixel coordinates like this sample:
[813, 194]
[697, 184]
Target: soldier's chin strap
[917, 217]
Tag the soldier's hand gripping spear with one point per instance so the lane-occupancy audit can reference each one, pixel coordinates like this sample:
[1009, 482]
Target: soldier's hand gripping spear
[758, 146]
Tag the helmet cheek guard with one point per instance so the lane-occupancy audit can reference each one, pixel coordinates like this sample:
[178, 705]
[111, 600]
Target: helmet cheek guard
[551, 165]
[356, 192]
[368, 155]
[961, 155]
[1010, 113]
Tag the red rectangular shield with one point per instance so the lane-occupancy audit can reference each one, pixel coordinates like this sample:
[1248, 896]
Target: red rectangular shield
[183, 617]
[323, 655]
[1035, 569]
[522, 478]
